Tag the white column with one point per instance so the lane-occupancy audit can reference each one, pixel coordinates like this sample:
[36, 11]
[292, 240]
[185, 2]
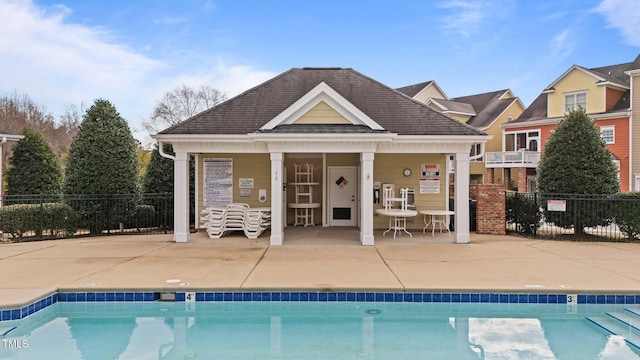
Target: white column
[366, 198]
[277, 225]
[181, 197]
[461, 195]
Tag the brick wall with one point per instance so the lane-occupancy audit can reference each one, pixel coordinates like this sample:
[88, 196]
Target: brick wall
[490, 209]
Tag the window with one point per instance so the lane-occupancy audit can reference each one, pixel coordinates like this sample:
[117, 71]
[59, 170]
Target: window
[527, 140]
[608, 134]
[575, 100]
[476, 153]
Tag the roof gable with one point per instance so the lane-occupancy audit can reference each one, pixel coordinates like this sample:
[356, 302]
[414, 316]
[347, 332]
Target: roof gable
[322, 114]
[322, 93]
[488, 107]
[613, 75]
[425, 91]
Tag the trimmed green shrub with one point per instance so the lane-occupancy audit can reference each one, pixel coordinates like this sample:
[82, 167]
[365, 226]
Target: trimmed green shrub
[576, 161]
[627, 214]
[144, 217]
[34, 166]
[523, 210]
[103, 161]
[48, 220]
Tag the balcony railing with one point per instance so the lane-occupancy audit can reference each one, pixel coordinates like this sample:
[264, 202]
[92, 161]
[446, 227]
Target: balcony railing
[512, 159]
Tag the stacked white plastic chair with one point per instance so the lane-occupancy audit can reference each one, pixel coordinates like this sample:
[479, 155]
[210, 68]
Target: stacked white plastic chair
[234, 217]
[220, 220]
[214, 220]
[255, 222]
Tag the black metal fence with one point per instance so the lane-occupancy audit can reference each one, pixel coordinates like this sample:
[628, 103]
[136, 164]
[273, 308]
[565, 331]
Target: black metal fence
[35, 217]
[574, 216]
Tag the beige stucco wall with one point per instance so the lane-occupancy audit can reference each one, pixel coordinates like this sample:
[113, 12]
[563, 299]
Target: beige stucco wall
[576, 81]
[322, 114]
[387, 169]
[256, 166]
[343, 159]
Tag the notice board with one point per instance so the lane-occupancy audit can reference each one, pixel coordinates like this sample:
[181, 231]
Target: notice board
[218, 182]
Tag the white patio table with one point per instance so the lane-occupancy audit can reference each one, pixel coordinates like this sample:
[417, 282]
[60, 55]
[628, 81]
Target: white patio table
[436, 217]
[397, 220]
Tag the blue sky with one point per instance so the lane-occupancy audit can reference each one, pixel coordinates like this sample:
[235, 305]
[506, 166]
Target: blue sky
[132, 52]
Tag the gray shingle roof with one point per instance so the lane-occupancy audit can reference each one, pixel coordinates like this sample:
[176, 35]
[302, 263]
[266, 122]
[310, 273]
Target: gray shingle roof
[413, 90]
[488, 106]
[536, 111]
[249, 111]
[456, 106]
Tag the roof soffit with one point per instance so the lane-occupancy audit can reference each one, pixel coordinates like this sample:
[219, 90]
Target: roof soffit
[322, 93]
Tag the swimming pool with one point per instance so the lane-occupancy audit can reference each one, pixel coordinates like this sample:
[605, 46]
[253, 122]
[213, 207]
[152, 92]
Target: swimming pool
[316, 325]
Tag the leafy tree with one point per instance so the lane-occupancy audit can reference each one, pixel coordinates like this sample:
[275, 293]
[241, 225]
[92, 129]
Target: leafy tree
[102, 161]
[159, 176]
[576, 161]
[159, 180]
[34, 166]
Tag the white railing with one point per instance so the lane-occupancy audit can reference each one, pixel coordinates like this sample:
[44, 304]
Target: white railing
[515, 159]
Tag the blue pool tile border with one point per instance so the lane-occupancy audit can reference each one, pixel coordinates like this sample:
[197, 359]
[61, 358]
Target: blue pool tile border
[319, 296]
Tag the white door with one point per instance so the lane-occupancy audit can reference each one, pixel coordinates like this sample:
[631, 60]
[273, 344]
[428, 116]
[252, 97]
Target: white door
[343, 191]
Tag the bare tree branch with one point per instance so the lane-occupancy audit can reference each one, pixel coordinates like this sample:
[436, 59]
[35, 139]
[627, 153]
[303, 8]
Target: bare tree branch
[180, 104]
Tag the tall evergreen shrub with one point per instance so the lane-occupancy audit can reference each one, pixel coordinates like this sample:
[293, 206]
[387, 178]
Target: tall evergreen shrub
[34, 167]
[576, 161]
[102, 167]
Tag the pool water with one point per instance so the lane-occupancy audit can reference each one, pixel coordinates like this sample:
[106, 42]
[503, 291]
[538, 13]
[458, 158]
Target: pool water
[323, 330]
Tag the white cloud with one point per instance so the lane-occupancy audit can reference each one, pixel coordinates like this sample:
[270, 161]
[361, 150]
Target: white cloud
[623, 15]
[57, 63]
[561, 45]
[467, 16]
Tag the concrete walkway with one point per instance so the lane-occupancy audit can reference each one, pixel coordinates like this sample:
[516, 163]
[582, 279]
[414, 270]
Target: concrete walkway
[316, 258]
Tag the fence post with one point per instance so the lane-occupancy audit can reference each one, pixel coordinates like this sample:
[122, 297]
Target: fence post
[517, 211]
[575, 219]
[41, 230]
[165, 214]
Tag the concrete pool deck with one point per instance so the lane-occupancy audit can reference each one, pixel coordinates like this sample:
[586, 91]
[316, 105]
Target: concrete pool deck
[323, 259]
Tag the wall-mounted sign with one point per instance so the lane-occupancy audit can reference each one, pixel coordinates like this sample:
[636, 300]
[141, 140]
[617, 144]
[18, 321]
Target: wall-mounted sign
[430, 179]
[218, 182]
[341, 182]
[245, 183]
[557, 205]
[245, 192]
